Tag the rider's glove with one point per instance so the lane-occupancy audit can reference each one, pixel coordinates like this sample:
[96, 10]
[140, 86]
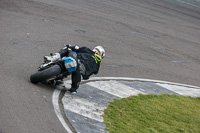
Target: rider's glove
[72, 47]
[68, 45]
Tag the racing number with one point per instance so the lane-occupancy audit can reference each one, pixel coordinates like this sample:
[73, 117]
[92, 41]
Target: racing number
[97, 57]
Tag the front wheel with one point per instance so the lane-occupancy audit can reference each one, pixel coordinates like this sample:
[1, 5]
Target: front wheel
[45, 74]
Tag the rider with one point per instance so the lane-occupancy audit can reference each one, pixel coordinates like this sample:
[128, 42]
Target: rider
[88, 62]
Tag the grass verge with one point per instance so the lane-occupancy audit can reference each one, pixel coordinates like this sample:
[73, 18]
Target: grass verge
[153, 114]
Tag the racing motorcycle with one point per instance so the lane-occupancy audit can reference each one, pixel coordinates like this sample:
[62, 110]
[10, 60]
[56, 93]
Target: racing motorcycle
[53, 71]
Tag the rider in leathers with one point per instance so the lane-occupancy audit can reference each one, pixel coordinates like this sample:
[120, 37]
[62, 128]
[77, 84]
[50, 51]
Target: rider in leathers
[88, 62]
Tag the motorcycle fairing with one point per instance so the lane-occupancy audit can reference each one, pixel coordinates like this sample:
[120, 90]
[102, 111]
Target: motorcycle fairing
[70, 63]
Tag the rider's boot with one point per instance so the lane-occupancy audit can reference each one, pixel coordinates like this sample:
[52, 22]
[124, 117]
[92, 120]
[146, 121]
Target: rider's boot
[74, 88]
[52, 58]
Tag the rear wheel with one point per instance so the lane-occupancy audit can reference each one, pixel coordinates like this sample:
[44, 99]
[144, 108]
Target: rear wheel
[45, 74]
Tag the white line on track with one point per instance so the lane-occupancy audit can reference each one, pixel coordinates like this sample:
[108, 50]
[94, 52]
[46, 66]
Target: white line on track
[187, 3]
[185, 91]
[83, 107]
[115, 88]
[55, 101]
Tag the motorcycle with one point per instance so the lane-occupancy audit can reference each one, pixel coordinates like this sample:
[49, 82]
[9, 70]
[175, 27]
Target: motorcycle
[53, 72]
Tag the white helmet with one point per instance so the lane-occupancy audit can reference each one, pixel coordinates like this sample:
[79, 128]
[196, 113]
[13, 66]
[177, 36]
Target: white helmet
[100, 51]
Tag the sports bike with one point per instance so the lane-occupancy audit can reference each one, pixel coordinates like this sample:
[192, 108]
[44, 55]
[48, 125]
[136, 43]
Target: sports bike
[51, 72]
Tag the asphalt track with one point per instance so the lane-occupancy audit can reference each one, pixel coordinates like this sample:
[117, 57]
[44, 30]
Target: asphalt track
[149, 39]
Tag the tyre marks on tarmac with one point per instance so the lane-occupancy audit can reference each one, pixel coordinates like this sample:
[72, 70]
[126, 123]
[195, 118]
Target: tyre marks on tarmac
[85, 109]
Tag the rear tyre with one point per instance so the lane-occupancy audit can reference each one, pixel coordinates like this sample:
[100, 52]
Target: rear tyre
[45, 74]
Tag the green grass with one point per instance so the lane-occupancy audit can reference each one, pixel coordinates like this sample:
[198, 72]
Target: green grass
[153, 114]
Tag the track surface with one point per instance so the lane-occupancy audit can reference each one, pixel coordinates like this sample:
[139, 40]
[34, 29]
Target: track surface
[149, 39]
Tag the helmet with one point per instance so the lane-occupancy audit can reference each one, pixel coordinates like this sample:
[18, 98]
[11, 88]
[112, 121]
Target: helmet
[100, 51]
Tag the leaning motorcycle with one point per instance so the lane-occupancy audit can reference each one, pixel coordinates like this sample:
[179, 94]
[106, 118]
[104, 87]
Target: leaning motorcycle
[51, 72]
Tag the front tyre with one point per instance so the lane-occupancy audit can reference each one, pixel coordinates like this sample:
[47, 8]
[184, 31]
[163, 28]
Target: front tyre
[45, 74]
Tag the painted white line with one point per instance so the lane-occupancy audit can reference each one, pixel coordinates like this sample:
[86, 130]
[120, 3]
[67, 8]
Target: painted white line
[187, 3]
[115, 88]
[142, 80]
[185, 91]
[55, 102]
[83, 107]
